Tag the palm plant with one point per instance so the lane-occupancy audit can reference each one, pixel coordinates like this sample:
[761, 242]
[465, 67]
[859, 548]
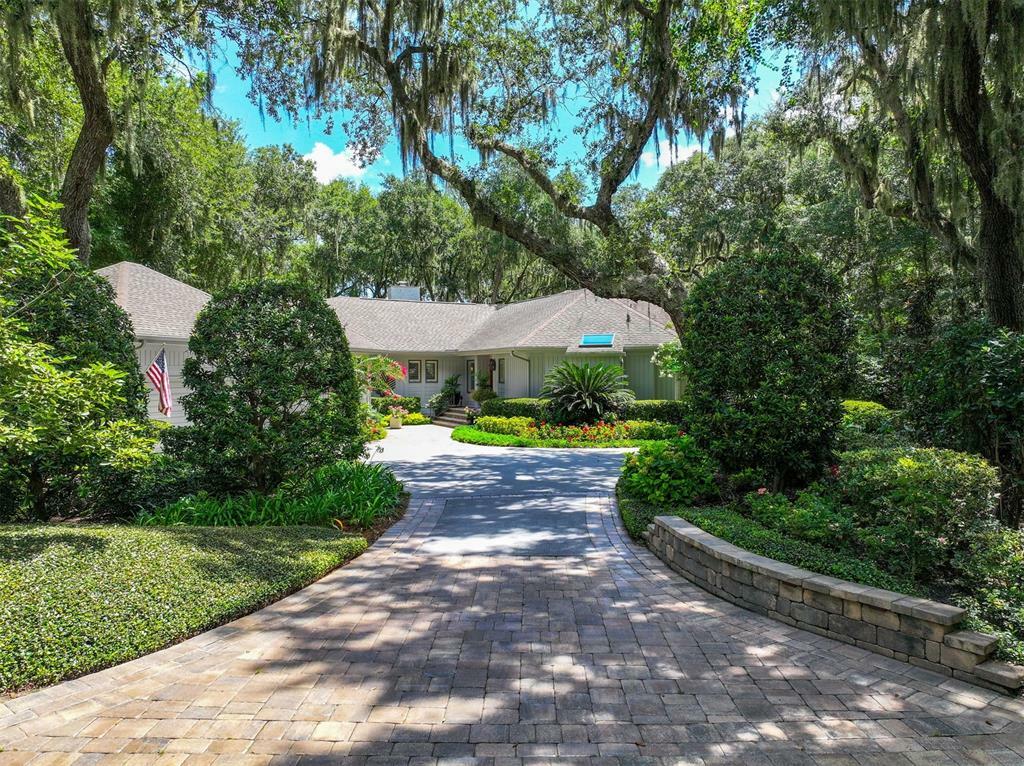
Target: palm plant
[586, 393]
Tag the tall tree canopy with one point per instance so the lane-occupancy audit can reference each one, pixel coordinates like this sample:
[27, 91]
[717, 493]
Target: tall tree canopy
[492, 73]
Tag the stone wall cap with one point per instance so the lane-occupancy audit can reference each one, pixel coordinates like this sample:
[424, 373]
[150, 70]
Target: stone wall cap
[1001, 673]
[971, 641]
[929, 611]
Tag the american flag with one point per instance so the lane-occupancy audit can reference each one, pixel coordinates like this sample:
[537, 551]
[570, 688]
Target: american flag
[161, 380]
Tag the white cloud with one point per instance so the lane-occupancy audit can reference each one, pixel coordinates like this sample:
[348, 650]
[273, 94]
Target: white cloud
[331, 164]
[668, 155]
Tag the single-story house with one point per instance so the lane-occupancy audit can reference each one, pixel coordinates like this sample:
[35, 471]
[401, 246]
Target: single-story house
[514, 344]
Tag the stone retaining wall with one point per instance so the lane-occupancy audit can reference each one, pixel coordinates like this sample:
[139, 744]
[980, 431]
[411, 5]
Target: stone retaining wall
[896, 625]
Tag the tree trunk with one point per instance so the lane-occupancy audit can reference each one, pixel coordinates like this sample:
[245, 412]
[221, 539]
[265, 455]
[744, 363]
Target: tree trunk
[78, 36]
[1001, 266]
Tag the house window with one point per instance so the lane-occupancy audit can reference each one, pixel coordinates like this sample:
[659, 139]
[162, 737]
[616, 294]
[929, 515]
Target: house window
[415, 371]
[470, 374]
[501, 370]
[430, 371]
[598, 340]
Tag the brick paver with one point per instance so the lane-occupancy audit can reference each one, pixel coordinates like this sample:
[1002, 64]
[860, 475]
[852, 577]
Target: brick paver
[599, 656]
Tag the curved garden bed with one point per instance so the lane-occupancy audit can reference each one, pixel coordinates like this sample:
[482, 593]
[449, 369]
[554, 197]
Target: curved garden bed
[898, 625]
[473, 435]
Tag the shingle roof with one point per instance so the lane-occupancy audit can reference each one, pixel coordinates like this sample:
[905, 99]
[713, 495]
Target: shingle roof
[163, 307]
[386, 325]
[160, 306]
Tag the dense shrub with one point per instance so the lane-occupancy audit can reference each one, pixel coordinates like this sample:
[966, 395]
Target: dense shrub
[916, 507]
[868, 425]
[415, 419]
[766, 353]
[382, 403]
[483, 394]
[273, 393]
[664, 410]
[62, 418]
[967, 393]
[538, 409]
[449, 396]
[670, 474]
[585, 393]
[356, 493]
[811, 516]
[74, 599]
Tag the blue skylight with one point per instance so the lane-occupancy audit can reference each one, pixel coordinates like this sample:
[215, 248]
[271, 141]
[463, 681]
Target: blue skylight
[600, 340]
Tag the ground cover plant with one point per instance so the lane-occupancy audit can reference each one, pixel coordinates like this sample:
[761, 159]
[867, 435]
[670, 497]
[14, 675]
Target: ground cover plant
[360, 495]
[74, 599]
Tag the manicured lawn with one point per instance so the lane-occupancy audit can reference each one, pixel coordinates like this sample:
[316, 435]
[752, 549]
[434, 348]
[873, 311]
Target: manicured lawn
[74, 599]
[471, 435]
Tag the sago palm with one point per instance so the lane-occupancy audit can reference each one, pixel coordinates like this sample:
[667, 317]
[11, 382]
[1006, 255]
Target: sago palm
[586, 393]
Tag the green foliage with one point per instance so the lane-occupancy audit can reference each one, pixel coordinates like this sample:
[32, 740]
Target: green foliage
[382, 403]
[733, 527]
[513, 426]
[74, 599]
[766, 350]
[813, 516]
[378, 374]
[356, 493]
[60, 418]
[273, 395]
[473, 435]
[415, 419]
[537, 409]
[447, 397]
[585, 393]
[915, 508]
[483, 394]
[966, 392]
[670, 473]
[635, 430]
[664, 410]
[867, 425]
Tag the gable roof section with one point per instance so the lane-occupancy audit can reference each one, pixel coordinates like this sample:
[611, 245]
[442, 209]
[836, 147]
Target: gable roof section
[385, 325]
[165, 308]
[159, 306]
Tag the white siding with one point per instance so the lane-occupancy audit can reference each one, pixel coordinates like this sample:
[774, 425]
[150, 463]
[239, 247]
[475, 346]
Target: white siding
[446, 366]
[644, 377]
[176, 355]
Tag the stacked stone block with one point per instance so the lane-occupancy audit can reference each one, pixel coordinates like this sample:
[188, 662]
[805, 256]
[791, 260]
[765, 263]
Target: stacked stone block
[896, 625]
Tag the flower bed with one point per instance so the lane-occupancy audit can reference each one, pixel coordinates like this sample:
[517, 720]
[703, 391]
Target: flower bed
[531, 429]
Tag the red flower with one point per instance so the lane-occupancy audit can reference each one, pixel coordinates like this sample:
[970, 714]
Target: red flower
[834, 470]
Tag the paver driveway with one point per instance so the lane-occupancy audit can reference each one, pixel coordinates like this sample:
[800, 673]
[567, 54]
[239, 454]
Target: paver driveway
[505, 619]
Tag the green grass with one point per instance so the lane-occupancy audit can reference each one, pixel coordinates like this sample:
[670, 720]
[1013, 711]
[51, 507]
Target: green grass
[471, 435]
[74, 599]
[727, 524]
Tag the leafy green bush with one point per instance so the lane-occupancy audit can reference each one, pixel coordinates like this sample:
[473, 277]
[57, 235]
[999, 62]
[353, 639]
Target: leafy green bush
[273, 393]
[415, 419]
[967, 393]
[538, 409]
[916, 507]
[483, 394]
[516, 426]
[620, 429]
[867, 425]
[990, 577]
[356, 493]
[585, 393]
[766, 352]
[664, 410]
[74, 599]
[670, 474]
[449, 395]
[382, 403]
[61, 418]
[812, 516]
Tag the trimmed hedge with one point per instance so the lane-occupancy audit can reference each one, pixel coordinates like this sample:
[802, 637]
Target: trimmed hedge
[516, 408]
[77, 599]
[664, 410]
[382, 403]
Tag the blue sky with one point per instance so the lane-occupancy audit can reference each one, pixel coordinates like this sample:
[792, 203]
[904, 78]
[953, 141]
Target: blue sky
[328, 149]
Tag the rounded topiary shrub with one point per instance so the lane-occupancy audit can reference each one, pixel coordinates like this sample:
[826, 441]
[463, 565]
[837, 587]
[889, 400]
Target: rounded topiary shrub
[670, 473]
[766, 351]
[272, 390]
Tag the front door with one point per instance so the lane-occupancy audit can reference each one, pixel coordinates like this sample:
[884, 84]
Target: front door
[470, 375]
